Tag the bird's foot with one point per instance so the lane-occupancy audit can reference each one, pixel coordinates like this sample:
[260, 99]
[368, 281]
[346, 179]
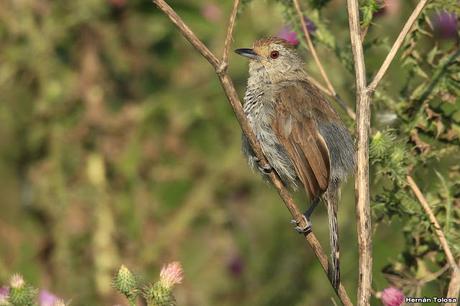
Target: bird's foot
[266, 169]
[302, 229]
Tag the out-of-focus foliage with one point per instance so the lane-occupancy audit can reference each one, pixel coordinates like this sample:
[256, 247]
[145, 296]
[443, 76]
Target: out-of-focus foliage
[425, 142]
[118, 146]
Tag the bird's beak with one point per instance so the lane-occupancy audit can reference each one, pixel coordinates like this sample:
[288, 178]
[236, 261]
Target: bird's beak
[247, 52]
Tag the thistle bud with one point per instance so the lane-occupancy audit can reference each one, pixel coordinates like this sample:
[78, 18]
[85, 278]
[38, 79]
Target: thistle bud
[160, 294]
[125, 282]
[21, 293]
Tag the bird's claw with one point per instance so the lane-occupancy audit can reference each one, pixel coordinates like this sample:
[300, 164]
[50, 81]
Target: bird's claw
[266, 169]
[302, 230]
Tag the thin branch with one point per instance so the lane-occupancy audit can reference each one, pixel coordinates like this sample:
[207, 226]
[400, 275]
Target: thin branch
[454, 285]
[397, 44]
[233, 98]
[229, 37]
[188, 34]
[312, 48]
[437, 228]
[313, 52]
[363, 33]
[363, 114]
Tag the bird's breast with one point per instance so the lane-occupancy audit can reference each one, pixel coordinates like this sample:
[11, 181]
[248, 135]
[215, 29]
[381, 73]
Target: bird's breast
[259, 107]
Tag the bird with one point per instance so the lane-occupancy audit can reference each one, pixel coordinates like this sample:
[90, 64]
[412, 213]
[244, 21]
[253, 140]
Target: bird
[300, 134]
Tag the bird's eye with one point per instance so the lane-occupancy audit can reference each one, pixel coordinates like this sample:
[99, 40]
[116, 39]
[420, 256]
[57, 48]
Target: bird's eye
[274, 54]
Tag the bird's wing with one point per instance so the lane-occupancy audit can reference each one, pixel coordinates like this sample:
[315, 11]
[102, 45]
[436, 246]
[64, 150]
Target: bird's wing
[298, 106]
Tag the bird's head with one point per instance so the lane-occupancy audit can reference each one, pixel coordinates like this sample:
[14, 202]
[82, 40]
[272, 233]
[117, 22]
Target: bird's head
[275, 55]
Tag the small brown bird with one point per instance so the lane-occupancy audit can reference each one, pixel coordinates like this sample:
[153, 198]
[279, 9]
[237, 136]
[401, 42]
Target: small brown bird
[299, 132]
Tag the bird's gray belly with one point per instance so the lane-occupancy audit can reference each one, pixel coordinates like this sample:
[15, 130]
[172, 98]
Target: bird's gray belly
[273, 151]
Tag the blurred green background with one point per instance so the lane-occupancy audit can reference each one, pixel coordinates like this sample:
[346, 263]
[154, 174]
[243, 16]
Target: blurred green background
[117, 146]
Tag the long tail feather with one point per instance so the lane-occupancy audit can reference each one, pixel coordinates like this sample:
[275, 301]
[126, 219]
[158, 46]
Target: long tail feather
[331, 198]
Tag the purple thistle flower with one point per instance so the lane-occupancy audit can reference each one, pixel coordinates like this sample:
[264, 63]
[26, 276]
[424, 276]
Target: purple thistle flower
[4, 290]
[290, 35]
[388, 7]
[4, 293]
[211, 12]
[445, 24]
[392, 296]
[235, 266]
[311, 27]
[171, 274]
[46, 298]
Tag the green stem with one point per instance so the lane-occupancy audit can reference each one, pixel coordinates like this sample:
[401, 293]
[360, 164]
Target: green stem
[132, 301]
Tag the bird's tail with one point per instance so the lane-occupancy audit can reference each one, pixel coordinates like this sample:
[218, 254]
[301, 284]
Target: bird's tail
[331, 198]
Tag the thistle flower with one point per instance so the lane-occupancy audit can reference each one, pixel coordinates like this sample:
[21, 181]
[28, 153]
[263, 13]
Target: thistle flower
[4, 295]
[236, 266]
[445, 24]
[4, 291]
[391, 296]
[46, 298]
[171, 274]
[211, 12]
[21, 293]
[16, 281]
[388, 8]
[311, 27]
[160, 293]
[290, 35]
[59, 302]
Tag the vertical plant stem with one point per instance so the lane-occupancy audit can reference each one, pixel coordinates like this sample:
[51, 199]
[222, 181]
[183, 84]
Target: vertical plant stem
[363, 115]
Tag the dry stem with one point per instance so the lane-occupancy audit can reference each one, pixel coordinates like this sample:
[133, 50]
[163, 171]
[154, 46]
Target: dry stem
[397, 44]
[229, 36]
[313, 52]
[363, 125]
[363, 212]
[454, 286]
